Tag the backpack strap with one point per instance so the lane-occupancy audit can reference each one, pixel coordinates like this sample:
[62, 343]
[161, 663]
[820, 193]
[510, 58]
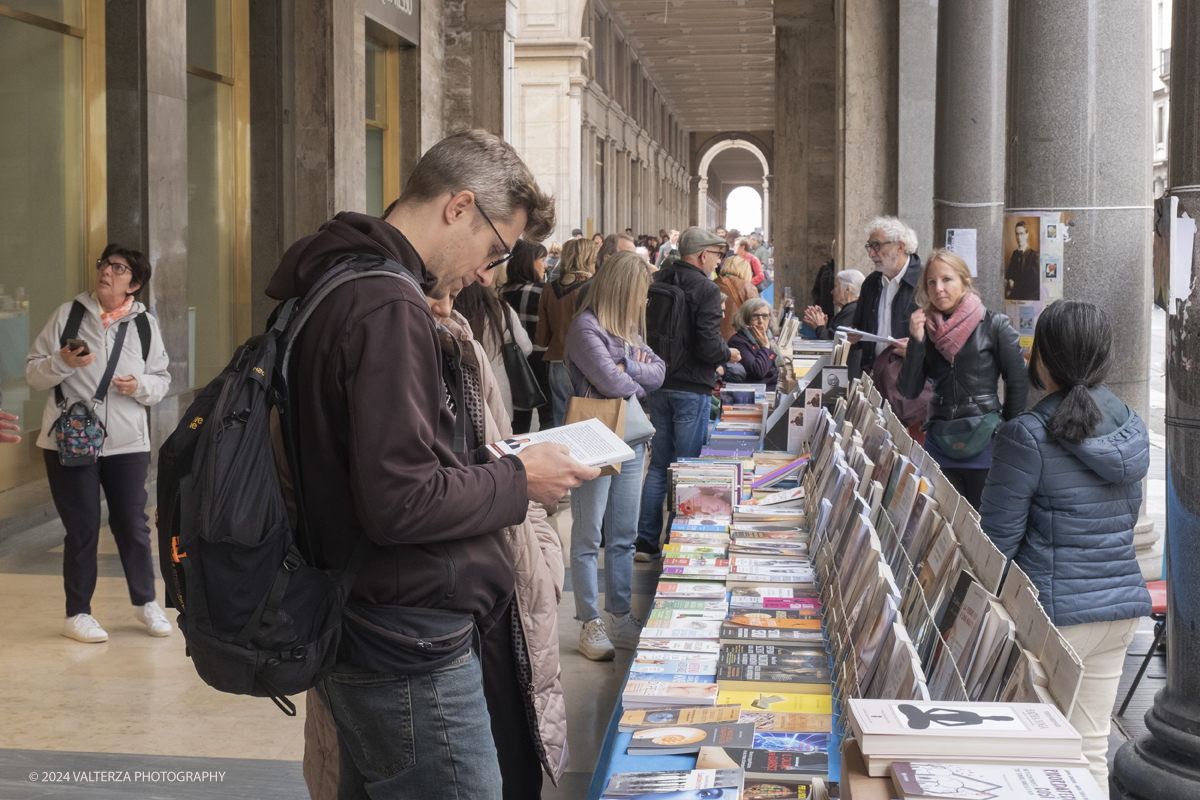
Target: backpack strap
[70, 331]
[74, 320]
[143, 328]
[289, 321]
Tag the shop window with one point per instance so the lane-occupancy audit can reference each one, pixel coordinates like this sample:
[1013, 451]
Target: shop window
[52, 208]
[382, 117]
[218, 184]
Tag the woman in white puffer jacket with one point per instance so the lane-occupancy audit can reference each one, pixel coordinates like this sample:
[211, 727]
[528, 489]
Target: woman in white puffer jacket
[125, 457]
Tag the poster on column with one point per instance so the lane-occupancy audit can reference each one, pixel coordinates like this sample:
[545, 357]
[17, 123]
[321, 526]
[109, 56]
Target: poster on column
[1033, 273]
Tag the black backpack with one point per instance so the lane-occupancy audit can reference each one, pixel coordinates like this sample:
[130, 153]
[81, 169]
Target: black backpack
[667, 321]
[258, 618]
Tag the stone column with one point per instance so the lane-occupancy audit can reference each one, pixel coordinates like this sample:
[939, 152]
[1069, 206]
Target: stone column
[1079, 143]
[146, 108]
[805, 144]
[1165, 763]
[766, 207]
[475, 64]
[868, 101]
[969, 136]
[702, 201]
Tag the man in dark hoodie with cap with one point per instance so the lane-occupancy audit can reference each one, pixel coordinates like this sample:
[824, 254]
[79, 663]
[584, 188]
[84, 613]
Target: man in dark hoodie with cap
[379, 458]
[680, 408]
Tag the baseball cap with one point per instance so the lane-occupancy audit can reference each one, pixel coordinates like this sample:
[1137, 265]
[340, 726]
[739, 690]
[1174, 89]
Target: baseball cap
[577, 232]
[693, 240]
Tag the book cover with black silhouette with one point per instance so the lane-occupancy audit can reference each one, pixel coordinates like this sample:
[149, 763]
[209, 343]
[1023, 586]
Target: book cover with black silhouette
[960, 728]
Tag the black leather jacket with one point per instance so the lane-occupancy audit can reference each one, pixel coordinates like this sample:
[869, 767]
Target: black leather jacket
[969, 386]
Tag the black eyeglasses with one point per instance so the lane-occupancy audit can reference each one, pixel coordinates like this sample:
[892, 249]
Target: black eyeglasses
[720, 254]
[875, 247]
[507, 251]
[117, 267]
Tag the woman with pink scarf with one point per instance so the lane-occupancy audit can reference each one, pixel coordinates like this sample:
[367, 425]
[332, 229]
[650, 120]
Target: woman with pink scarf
[962, 349]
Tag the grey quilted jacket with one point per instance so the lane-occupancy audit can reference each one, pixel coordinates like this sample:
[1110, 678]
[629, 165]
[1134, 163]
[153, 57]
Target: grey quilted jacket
[1065, 513]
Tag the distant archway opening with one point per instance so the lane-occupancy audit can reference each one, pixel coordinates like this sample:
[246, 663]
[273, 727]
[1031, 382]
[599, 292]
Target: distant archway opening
[744, 209]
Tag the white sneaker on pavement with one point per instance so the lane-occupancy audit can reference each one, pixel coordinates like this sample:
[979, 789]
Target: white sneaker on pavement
[154, 618]
[625, 631]
[84, 628]
[594, 643]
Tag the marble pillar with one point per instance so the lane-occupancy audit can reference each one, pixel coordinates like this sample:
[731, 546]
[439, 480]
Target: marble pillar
[1164, 764]
[806, 122]
[475, 63]
[1079, 143]
[166, 197]
[916, 88]
[969, 136]
[868, 104]
[267, 195]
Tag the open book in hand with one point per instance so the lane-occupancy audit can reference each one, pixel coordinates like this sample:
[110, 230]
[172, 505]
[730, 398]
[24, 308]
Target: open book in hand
[867, 337]
[589, 441]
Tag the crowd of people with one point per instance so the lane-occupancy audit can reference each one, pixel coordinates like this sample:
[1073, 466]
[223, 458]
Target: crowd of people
[403, 463]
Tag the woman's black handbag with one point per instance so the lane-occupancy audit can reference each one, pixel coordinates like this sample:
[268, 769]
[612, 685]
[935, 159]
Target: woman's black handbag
[526, 394]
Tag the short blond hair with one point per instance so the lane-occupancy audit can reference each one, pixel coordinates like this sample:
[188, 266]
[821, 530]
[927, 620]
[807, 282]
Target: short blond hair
[617, 296]
[738, 267]
[955, 262]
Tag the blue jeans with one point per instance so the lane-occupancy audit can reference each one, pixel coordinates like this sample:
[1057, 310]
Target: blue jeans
[560, 388]
[613, 499]
[680, 431]
[414, 736]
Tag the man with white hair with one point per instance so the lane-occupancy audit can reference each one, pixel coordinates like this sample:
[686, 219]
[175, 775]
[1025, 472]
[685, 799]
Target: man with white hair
[886, 301]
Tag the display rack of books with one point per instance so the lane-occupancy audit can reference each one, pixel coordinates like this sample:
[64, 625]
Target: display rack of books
[839, 591]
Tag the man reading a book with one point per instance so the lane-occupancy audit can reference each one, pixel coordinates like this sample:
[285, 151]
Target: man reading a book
[390, 485]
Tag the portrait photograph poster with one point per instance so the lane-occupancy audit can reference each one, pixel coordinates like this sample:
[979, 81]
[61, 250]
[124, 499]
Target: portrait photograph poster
[1033, 268]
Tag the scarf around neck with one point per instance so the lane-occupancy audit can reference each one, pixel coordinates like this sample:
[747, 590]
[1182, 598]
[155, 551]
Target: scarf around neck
[949, 335]
[109, 317]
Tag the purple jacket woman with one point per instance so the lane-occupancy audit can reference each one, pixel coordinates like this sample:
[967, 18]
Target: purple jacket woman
[594, 355]
[759, 361]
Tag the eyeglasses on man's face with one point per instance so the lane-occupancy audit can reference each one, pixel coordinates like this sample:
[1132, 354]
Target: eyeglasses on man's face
[720, 254]
[507, 251]
[875, 247]
[116, 266]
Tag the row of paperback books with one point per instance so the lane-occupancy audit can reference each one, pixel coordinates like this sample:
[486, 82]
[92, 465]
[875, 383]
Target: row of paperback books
[731, 666]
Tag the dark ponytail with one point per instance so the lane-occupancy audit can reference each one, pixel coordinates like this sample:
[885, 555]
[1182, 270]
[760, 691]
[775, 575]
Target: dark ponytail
[1073, 342]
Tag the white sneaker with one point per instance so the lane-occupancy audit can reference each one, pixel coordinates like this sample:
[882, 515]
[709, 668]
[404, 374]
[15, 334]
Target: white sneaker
[625, 631]
[594, 643]
[154, 618]
[83, 628]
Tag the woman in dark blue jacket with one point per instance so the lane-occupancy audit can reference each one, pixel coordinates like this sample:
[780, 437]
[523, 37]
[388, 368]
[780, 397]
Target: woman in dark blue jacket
[1062, 498]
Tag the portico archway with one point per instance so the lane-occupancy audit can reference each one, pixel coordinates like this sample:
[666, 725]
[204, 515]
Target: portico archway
[706, 161]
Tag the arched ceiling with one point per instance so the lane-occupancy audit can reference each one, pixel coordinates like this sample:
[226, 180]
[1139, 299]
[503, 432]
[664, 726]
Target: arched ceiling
[735, 166]
[714, 59]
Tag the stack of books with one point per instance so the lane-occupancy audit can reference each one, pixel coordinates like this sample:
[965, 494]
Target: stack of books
[1005, 734]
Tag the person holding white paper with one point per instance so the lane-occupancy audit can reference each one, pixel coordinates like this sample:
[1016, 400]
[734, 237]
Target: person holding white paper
[606, 357]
